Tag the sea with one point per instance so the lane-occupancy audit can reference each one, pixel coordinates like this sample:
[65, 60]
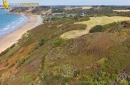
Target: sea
[11, 22]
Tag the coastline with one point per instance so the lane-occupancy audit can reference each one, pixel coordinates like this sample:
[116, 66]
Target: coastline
[11, 38]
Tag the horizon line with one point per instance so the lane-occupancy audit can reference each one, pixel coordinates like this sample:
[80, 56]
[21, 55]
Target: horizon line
[80, 5]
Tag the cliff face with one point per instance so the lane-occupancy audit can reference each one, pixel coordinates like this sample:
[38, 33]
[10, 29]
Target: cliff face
[41, 57]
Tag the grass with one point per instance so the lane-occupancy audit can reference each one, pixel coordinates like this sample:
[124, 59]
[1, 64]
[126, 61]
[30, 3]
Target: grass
[94, 21]
[45, 58]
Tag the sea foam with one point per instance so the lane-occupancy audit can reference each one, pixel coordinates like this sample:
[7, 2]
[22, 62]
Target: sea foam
[10, 22]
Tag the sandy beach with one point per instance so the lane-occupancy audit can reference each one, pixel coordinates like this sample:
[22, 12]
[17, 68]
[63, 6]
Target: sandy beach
[10, 39]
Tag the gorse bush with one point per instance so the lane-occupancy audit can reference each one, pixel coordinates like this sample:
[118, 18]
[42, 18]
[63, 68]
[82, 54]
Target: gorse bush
[42, 42]
[43, 62]
[97, 28]
[20, 62]
[58, 42]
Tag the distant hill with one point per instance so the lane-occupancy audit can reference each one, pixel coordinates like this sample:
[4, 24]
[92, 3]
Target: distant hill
[30, 10]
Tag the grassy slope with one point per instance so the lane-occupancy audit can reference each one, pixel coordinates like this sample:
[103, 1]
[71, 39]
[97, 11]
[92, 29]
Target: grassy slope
[25, 57]
[91, 23]
[92, 59]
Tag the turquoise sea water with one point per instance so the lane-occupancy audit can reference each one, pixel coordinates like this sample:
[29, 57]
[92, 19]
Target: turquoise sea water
[10, 22]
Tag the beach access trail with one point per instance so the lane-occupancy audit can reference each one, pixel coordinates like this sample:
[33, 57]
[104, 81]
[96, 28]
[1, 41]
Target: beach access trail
[8, 40]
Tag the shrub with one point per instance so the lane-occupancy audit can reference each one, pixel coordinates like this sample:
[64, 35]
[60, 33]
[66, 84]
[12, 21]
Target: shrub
[58, 42]
[20, 62]
[43, 62]
[84, 19]
[34, 10]
[12, 46]
[42, 42]
[101, 61]
[97, 28]
[4, 52]
[76, 73]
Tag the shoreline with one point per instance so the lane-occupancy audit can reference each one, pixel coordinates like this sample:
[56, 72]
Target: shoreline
[16, 26]
[12, 38]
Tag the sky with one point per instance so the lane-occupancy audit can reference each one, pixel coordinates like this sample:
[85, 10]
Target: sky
[74, 2]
